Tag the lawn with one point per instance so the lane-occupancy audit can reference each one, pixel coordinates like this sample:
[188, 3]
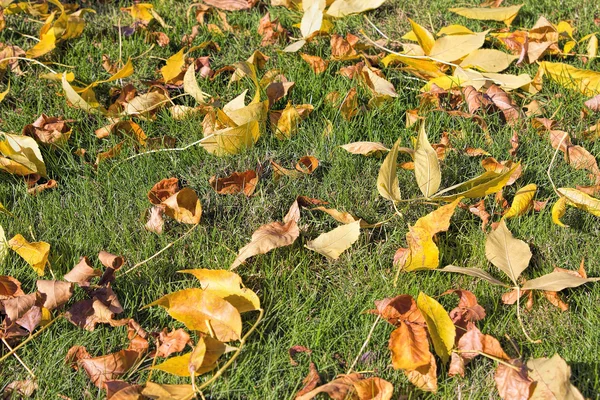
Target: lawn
[308, 299]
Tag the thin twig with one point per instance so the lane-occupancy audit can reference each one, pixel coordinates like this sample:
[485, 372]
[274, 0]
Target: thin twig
[19, 359]
[160, 251]
[234, 356]
[520, 320]
[30, 60]
[376, 28]
[30, 338]
[491, 357]
[364, 344]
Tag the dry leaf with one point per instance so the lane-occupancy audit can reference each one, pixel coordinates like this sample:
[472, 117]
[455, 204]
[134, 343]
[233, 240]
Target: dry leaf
[504, 14]
[508, 254]
[512, 384]
[333, 243]
[54, 293]
[184, 206]
[317, 64]
[552, 379]
[171, 342]
[522, 202]
[103, 368]
[427, 167]
[440, 326]
[307, 164]
[366, 148]
[237, 182]
[387, 181]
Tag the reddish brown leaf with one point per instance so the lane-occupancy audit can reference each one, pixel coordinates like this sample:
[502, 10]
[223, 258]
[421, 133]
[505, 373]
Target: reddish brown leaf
[513, 384]
[397, 309]
[163, 190]
[504, 103]
[172, 342]
[317, 64]
[307, 164]
[343, 49]
[271, 30]
[244, 182]
[295, 350]
[54, 293]
[468, 309]
[9, 287]
[49, 130]
[121, 390]
[104, 368]
[310, 382]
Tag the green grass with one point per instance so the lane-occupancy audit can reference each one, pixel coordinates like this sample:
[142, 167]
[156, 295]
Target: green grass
[308, 300]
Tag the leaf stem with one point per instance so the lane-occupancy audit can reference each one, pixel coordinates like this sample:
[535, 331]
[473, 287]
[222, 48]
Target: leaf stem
[234, 356]
[30, 60]
[491, 357]
[552, 163]
[364, 344]
[19, 359]
[519, 317]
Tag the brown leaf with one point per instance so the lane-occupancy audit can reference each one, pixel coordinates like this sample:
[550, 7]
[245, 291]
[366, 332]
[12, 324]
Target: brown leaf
[310, 382]
[20, 389]
[504, 103]
[513, 384]
[593, 103]
[399, 309]
[54, 293]
[103, 368]
[295, 350]
[468, 310]
[338, 389]
[555, 300]
[172, 342]
[38, 188]
[373, 389]
[10, 287]
[576, 156]
[271, 30]
[82, 273]
[121, 390]
[232, 5]
[163, 190]
[112, 263]
[100, 308]
[349, 107]
[317, 64]
[237, 182]
[307, 164]
[475, 99]
[49, 130]
[343, 49]
[479, 210]
[278, 90]
[31, 319]
[17, 307]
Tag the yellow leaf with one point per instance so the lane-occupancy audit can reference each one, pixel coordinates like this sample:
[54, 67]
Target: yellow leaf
[168, 392]
[522, 201]
[184, 206]
[423, 253]
[232, 140]
[427, 167]
[44, 46]
[58, 76]
[574, 198]
[425, 67]
[342, 8]
[504, 14]
[190, 85]
[440, 326]
[424, 377]
[424, 37]
[3, 94]
[141, 12]
[488, 60]
[333, 243]
[445, 82]
[75, 99]
[124, 72]
[508, 254]
[486, 183]
[387, 180]
[203, 311]
[582, 80]
[226, 285]
[592, 47]
[453, 47]
[35, 254]
[558, 211]
[287, 125]
[508, 81]
[173, 66]
[454, 30]
[21, 155]
[180, 365]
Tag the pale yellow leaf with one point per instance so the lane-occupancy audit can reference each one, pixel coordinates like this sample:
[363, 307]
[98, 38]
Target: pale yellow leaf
[427, 167]
[488, 60]
[191, 87]
[508, 254]
[387, 180]
[342, 8]
[333, 243]
[504, 14]
[553, 379]
[453, 47]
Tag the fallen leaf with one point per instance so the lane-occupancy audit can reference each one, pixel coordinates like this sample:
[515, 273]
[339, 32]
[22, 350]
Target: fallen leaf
[387, 181]
[105, 368]
[184, 206]
[82, 273]
[333, 243]
[171, 342]
[168, 392]
[10, 287]
[20, 155]
[522, 202]
[552, 379]
[585, 81]
[508, 254]
[35, 254]
[181, 365]
[317, 64]
[54, 293]
[366, 148]
[575, 198]
[237, 182]
[427, 167]
[513, 384]
[504, 14]
[307, 165]
[310, 382]
[440, 326]
[203, 311]
[342, 8]
[425, 378]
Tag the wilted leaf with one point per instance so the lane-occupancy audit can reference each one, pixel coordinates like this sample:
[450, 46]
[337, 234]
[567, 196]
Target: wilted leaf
[387, 180]
[20, 155]
[488, 60]
[423, 252]
[82, 273]
[145, 103]
[54, 293]
[522, 202]
[35, 254]
[181, 365]
[10, 287]
[237, 182]
[409, 345]
[191, 87]
[504, 14]
[317, 64]
[342, 8]
[575, 198]
[171, 342]
[307, 165]
[552, 379]
[585, 81]
[333, 243]
[557, 281]
[513, 384]
[486, 183]
[440, 326]
[228, 286]
[184, 206]
[203, 311]
[427, 167]
[311, 381]
[366, 148]
[425, 377]
[508, 254]
[168, 392]
[267, 238]
[103, 368]
[20, 389]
